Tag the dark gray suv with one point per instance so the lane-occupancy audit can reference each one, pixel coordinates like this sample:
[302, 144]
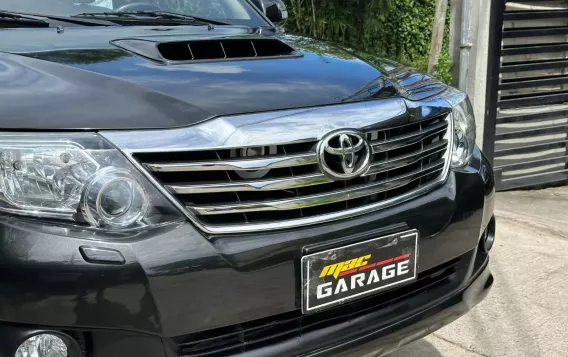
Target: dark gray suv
[178, 178]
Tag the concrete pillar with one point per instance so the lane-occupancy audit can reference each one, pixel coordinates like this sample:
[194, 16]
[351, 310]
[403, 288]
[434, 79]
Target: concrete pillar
[472, 62]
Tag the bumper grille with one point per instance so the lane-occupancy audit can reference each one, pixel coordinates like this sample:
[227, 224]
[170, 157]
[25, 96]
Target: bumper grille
[232, 340]
[275, 186]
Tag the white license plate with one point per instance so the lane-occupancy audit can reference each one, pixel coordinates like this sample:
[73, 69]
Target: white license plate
[342, 274]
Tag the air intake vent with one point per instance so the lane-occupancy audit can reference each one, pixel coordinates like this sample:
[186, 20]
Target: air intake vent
[208, 50]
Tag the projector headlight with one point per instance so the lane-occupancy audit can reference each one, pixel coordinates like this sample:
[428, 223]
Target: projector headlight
[464, 128]
[79, 178]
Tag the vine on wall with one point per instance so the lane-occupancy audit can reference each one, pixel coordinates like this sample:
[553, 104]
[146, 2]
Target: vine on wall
[397, 29]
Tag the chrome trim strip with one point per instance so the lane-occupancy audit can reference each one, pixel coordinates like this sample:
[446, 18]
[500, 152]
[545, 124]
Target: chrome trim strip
[247, 164]
[259, 185]
[407, 140]
[281, 127]
[261, 129]
[321, 199]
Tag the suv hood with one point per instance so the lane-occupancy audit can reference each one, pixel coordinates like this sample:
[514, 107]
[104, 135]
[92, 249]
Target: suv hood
[79, 80]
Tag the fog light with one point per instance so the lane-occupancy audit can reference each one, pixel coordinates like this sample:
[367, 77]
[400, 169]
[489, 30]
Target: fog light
[44, 345]
[488, 238]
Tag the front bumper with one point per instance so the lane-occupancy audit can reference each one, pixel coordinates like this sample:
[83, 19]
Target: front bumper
[173, 283]
[389, 338]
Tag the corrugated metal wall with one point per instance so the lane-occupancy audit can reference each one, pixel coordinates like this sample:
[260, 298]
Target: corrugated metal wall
[532, 103]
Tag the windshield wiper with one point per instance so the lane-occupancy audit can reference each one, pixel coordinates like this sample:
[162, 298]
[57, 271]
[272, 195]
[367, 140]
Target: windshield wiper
[144, 16]
[20, 21]
[17, 19]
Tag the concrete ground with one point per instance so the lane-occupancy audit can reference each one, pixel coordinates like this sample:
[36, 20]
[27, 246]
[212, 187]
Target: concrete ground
[526, 313]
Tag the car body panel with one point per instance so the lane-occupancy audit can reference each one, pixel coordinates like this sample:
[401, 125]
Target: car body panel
[175, 281]
[78, 80]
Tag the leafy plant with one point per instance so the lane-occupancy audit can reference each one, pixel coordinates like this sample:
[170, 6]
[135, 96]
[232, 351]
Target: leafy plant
[397, 29]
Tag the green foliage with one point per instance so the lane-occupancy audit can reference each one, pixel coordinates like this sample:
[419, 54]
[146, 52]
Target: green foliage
[343, 21]
[397, 29]
[444, 70]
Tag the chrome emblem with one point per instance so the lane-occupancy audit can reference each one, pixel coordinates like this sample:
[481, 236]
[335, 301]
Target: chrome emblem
[344, 154]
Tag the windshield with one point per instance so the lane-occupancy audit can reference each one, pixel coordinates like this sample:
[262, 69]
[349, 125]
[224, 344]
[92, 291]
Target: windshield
[238, 12]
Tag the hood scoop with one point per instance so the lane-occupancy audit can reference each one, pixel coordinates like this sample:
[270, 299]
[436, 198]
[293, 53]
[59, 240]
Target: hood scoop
[210, 50]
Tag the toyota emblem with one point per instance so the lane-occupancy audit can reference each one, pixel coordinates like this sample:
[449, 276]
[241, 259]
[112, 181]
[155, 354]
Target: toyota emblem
[344, 154]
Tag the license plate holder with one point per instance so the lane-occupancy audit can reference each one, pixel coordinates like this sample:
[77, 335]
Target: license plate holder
[336, 276]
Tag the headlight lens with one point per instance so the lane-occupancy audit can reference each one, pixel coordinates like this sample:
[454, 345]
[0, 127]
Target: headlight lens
[80, 178]
[114, 198]
[464, 128]
[47, 345]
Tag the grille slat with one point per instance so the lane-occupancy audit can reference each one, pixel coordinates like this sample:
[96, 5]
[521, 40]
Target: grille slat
[409, 139]
[408, 159]
[246, 164]
[280, 186]
[318, 200]
[252, 186]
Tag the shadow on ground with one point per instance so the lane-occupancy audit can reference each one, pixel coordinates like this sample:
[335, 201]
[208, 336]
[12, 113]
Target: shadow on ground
[420, 348]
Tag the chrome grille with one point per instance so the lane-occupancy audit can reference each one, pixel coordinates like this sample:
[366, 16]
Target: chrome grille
[277, 186]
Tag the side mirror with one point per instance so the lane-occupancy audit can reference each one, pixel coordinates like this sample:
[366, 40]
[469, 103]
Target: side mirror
[259, 4]
[276, 11]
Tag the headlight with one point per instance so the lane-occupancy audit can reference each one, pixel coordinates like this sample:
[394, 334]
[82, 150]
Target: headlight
[464, 128]
[79, 178]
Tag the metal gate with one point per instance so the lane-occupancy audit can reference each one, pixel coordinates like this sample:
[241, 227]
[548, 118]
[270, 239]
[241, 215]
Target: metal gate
[526, 131]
